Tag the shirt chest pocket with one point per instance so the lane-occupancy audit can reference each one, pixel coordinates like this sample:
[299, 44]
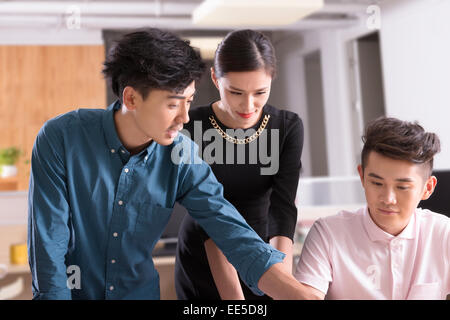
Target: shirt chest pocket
[151, 221]
[425, 291]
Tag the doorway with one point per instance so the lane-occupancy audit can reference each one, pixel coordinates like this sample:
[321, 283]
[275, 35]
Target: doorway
[371, 78]
[316, 116]
[366, 83]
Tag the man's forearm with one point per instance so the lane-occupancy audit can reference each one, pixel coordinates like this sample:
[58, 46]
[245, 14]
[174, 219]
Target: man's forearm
[284, 244]
[280, 285]
[224, 274]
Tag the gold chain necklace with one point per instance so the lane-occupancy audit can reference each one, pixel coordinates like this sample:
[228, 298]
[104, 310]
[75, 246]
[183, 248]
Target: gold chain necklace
[236, 140]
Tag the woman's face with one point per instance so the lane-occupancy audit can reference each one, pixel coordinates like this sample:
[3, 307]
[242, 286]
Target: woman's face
[242, 96]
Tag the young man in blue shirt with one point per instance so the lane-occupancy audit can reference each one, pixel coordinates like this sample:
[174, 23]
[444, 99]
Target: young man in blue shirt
[103, 184]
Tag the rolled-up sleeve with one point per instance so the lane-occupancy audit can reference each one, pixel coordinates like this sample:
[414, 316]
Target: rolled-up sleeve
[48, 214]
[202, 195]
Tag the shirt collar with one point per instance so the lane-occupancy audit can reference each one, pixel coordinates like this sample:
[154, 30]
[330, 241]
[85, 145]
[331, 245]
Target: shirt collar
[112, 139]
[109, 127]
[377, 234]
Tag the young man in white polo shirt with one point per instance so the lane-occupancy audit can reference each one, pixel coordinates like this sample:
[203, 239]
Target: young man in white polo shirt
[389, 249]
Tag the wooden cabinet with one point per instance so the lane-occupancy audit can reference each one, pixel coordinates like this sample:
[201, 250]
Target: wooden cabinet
[38, 83]
[9, 184]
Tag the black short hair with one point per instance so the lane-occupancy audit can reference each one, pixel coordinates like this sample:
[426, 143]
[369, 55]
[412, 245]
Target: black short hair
[245, 50]
[152, 59]
[402, 140]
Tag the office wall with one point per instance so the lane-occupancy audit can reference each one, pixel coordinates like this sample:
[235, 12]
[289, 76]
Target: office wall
[416, 65]
[290, 91]
[40, 82]
[316, 117]
[415, 68]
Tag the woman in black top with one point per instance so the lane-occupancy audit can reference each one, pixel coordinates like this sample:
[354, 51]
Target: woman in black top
[254, 150]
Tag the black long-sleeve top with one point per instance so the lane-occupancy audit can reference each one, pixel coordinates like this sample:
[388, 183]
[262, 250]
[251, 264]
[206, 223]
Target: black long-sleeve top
[265, 199]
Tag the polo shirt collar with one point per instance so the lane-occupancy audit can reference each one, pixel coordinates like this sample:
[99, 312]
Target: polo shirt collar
[375, 233]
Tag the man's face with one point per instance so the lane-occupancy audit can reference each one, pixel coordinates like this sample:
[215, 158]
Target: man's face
[162, 114]
[393, 190]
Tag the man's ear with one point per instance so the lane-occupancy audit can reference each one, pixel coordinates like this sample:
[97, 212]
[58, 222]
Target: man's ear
[130, 98]
[361, 174]
[429, 187]
[214, 78]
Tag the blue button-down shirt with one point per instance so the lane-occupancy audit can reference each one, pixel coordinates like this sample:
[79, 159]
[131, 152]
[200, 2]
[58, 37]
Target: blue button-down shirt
[96, 211]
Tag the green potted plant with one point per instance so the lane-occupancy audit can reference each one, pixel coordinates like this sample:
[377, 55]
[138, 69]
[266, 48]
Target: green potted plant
[8, 159]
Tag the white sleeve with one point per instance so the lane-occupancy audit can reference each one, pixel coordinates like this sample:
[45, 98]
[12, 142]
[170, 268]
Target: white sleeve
[448, 259]
[314, 266]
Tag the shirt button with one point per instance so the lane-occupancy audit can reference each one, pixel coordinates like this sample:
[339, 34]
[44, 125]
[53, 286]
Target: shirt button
[111, 288]
[123, 151]
[146, 157]
[126, 170]
[113, 150]
[113, 261]
[120, 202]
[115, 234]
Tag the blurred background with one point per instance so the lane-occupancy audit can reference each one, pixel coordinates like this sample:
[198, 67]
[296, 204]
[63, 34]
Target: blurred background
[341, 63]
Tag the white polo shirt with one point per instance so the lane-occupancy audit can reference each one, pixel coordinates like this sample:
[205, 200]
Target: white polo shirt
[347, 256]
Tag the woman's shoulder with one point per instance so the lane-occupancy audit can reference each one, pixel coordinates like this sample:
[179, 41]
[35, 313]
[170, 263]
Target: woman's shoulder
[200, 112]
[283, 117]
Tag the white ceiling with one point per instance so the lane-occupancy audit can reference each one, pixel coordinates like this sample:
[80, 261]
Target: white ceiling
[115, 14]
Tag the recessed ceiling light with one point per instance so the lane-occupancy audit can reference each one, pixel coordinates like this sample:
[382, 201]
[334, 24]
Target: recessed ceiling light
[253, 12]
[207, 45]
